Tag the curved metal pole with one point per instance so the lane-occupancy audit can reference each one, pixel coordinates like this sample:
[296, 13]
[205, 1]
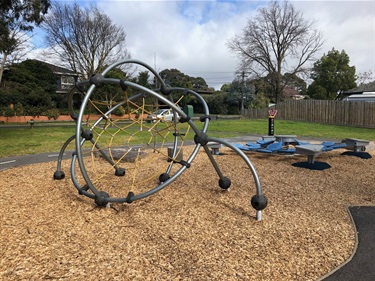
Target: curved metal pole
[78, 140]
[80, 189]
[133, 61]
[247, 161]
[245, 158]
[201, 134]
[62, 151]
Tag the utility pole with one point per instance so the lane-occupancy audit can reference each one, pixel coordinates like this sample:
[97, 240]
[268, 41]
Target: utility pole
[243, 75]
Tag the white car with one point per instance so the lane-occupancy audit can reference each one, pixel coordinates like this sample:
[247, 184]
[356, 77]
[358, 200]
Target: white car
[162, 115]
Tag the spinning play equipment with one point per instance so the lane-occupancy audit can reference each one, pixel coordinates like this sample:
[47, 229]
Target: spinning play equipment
[288, 144]
[123, 159]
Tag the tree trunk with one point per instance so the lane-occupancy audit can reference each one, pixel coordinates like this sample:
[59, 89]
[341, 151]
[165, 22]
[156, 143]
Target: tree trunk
[2, 66]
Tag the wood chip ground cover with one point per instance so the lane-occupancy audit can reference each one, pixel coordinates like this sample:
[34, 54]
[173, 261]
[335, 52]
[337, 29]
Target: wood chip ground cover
[191, 230]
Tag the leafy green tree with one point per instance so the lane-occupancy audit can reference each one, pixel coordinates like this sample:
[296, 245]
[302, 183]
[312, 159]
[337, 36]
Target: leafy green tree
[240, 93]
[110, 94]
[225, 87]
[143, 78]
[296, 83]
[176, 78]
[30, 12]
[18, 109]
[217, 103]
[198, 83]
[263, 86]
[260, 101]
[33, 73]
[9, 112]
[18, 16]
[317, 92]
[30, 83]
[332, 73]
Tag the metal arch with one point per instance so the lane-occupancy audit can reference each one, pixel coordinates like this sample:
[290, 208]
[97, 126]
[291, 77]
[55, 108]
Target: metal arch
[89, 188]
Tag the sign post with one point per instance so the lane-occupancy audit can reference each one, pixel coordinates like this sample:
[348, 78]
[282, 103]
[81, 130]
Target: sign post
[271, 121]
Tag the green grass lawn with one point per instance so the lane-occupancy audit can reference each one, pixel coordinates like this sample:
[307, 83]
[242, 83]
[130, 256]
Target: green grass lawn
[21, 141]
[282, 127]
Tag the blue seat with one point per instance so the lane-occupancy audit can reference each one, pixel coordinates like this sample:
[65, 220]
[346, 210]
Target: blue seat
[327, 143]
[273, 147]
[264, 143]
[339, 145]
[253, 145]
[330, 145]
[302, 142]
[241, 146]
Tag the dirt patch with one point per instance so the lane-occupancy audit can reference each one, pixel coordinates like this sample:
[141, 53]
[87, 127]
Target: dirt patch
[191, 230]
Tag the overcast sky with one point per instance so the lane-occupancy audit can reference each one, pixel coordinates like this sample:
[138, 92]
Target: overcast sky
[192, 35]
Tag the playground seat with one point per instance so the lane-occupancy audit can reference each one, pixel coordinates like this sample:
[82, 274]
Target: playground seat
[265, 142]
[302, 142]
[215, 147]
[273, 147]
[340, 145]
[327, 145]
[356, 145]
[327, 148]
[310, 151]
[330, 145]
[253, 145]
[241, 146]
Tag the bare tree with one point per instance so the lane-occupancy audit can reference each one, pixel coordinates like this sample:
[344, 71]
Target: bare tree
[364, 78]
[83, 38]
[277, 40]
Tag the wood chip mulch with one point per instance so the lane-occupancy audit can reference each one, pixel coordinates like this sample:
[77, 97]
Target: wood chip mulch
[190, 230]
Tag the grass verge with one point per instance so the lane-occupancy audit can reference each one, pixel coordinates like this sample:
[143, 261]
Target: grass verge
[21, 141]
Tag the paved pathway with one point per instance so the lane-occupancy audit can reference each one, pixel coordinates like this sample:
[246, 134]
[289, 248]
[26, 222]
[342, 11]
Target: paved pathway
[361, 267]
[9, 162]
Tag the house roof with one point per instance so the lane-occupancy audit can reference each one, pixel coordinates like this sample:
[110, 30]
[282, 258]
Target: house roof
[369, 87]
[58, 69]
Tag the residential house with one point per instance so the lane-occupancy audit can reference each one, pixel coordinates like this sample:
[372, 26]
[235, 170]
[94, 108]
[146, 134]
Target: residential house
[65, 78]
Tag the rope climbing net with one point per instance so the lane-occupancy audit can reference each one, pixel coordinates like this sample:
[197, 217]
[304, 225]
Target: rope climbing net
[129, 139]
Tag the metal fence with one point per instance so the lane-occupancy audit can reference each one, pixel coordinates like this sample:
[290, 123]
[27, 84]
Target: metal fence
[349, 113]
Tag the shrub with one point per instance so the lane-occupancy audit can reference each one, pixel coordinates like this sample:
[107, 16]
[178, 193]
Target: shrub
[52, 113]
[260, 101]
[34, 111]
[19, 110]
[9, 112]
[120, 111]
